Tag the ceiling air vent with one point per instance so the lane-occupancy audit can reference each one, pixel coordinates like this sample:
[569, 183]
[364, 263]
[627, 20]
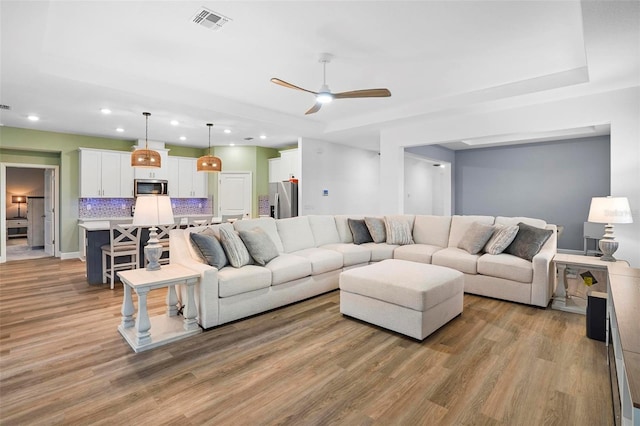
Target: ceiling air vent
[209, 19]
[3, 106]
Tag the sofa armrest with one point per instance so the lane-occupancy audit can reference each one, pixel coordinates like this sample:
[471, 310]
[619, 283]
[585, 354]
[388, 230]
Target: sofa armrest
[543, 284]
[206, 290]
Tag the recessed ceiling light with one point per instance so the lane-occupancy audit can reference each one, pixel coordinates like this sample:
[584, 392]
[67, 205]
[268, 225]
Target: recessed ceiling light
[183, 138]
[263, 137]
[232, 144]
[174, 122]
[119, 130]
[227, 131]
[105, 111]
[33, 117]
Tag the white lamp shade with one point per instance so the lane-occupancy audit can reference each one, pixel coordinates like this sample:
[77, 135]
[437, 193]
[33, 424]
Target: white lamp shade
[153, 210]
[610, 210]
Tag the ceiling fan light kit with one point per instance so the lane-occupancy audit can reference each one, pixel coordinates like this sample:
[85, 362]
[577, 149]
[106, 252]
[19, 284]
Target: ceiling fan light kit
[146, 157]
[209, 163]
[324, 95]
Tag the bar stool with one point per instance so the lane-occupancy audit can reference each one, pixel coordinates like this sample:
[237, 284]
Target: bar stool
[124, 242]
[231, 217]
[163, 239]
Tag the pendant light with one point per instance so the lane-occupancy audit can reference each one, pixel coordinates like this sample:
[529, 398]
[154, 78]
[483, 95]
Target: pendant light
[209, 163]
[146, 157]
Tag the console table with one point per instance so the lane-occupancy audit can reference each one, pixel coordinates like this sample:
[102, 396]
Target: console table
[562, 300]
[149, 333]
[623, 329]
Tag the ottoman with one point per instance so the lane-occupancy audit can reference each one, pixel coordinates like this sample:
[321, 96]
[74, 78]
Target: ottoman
[411, 298]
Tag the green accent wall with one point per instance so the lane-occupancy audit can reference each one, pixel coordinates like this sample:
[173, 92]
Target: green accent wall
[50, 148]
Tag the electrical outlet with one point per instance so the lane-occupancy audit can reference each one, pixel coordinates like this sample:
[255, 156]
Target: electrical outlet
[199, 205]
[124, 206]
[88, 206]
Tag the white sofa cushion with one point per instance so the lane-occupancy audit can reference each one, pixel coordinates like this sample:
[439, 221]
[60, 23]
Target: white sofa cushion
[288, 267]
[506, 266]
[324, 229]
[460, 224]
[322, 259]
[267, 224]
[232, 281]
[351, 253]
[343, 227]
[456, 258]
[295, 233]
[380, 251]
[432, 230]
[416, 252]
[538, 223]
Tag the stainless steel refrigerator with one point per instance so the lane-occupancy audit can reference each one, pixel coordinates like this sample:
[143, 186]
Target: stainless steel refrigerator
[283, 199]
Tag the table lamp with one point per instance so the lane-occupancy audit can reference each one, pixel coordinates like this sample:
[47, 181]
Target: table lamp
[152, 210]
[19, 199]
[609, 210]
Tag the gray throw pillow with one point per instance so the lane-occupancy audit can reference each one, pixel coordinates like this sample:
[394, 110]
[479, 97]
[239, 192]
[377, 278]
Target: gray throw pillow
[501, 238]
[261, 247]
[528, 242]
[359, 231]
[376, 229]
[234, 248]
[209, 248]
[398, 230]
[476, 237]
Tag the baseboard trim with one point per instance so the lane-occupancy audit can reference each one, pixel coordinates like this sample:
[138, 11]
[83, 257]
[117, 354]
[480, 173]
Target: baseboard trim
[70, 255]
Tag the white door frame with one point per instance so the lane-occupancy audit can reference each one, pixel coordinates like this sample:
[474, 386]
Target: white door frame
[3, 206]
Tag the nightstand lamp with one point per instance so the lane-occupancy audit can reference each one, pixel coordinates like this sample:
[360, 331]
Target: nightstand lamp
[152, 210]
[19, 199]
[609, 210]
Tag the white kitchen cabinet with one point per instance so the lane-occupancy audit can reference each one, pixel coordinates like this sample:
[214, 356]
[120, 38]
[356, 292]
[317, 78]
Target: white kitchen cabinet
[126, 176]
[184, 180]
[285, 167]
[275, 170]
[161, 172]
[99, 173]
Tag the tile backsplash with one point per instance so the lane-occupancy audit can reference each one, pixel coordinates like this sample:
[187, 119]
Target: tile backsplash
[95, 208]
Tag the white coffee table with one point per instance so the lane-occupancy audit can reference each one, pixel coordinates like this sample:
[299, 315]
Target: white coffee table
[143, 333]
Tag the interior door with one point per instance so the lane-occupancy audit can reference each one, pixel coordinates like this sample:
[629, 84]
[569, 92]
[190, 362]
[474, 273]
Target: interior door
[49, 203]
[234, 193]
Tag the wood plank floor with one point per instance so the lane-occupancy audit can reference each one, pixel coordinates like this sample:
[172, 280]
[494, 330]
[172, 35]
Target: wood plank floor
[62, 361]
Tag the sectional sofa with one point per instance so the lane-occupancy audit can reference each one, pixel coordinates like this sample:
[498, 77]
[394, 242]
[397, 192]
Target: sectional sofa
[314, 250]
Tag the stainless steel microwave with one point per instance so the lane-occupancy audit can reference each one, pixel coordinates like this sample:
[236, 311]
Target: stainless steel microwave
[150, 187]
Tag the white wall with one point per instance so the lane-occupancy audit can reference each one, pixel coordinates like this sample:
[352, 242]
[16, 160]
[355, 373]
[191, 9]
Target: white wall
[350, 175]
[620, 108]
[427, 189]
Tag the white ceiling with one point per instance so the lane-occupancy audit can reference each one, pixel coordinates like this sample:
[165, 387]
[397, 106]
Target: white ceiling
[65, 60]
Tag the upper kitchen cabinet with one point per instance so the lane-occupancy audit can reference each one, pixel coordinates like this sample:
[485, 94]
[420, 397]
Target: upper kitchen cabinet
[161, 172]
[99, 173]
[126, 175]
[184, 180]
[285, 167]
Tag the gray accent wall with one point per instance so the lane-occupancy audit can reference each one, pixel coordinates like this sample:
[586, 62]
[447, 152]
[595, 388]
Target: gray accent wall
[554, 181]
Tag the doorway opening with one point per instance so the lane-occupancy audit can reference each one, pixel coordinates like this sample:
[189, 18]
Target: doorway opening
[427, 186]
[28, 228]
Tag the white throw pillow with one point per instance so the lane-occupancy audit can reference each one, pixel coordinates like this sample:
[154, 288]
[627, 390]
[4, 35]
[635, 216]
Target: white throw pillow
[398, 230]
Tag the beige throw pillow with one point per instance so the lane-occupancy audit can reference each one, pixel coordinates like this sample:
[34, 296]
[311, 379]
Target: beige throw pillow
[398, 231]
[501, 238]
[476, 237]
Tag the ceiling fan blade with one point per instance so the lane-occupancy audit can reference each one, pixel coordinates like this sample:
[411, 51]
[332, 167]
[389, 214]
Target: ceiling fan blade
[366, 93]
[290, 86]
[314, 108]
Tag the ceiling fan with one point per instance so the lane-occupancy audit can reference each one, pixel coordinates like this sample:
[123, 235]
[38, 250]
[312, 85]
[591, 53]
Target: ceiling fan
[324, 95]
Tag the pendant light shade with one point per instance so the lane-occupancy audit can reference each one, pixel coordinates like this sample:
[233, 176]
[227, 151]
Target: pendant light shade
[209, 163]
[146, 157]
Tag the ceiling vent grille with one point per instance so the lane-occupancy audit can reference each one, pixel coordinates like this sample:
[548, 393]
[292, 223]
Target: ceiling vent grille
[5, 107]
[209, 19]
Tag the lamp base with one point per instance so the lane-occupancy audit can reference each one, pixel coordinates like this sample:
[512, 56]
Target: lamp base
[608, 247]
[152, 253]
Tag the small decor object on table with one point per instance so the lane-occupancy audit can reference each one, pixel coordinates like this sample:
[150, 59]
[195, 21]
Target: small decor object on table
[166, 328]
[152, 210]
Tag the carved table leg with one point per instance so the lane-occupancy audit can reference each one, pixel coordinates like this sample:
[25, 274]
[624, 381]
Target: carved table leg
[190, 322]
[172, 301]
[561, 295]
[143, 325]
[127, 308]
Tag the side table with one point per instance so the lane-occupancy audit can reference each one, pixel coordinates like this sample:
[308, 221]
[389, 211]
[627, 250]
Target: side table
[562, 300]
[149, 333]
